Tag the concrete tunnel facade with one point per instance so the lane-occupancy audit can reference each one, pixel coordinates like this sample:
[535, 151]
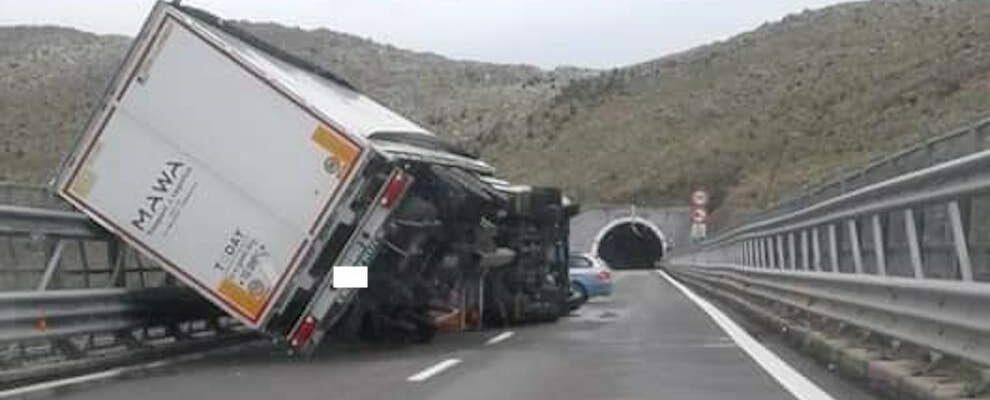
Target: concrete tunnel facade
[629, 237]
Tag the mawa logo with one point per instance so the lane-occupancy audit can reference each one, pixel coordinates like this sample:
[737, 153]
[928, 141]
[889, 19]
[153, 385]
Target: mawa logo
[162, 189]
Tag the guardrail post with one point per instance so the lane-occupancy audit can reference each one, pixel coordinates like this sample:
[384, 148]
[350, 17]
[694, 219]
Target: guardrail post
[816, 260]
[141, 268]
[765, 259]
[804, 250]
[116, 257]
[53, 263]
[854, 242]
[959, 239]
[13, 252]
[878, 245]
[781, 260]
[761, 246]
[753, 256]
[748, 253]
[914, 247]
[754, 246]
[84, 259]
[833, 248]
[792, 251]
[739, 253]
[769, 252]
[744, 250]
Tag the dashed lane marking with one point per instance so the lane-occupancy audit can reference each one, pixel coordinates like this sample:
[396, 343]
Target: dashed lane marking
[434, 370]
[499, 338]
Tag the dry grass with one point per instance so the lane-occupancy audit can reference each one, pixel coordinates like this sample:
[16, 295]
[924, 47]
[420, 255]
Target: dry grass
[766, 111]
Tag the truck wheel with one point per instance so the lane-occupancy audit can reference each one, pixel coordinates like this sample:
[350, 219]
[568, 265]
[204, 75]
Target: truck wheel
[579, 296]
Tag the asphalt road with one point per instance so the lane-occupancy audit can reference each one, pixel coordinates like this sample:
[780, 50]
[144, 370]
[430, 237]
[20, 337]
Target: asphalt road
[648, 341]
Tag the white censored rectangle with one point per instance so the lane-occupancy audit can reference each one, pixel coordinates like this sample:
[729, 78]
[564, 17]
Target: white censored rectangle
[350, 277]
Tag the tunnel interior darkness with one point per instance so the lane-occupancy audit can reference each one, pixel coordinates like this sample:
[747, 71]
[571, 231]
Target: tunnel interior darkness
[630, 245]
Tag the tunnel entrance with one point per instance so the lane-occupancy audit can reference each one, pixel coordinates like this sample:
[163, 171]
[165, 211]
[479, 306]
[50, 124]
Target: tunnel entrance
[630, 243]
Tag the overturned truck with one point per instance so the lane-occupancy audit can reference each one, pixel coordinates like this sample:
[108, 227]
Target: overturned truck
[250, 174]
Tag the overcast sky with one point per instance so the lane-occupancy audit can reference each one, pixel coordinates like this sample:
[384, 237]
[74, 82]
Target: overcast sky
[548, 33]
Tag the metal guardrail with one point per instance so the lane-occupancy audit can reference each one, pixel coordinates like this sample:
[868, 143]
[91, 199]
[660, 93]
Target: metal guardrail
[73, 299]
[47, 249]
[52, 315]
[30, 195]
[945, 316]
[907, 257]
[20, 220]
[46, 335]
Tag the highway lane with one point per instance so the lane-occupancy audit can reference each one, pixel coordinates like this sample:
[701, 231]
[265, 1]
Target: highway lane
[646, 341]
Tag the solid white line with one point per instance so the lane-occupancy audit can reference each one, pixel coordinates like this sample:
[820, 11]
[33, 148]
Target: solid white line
[433, 370]
[96, 376]
[787, 376]
[110, 373]
[500, 337]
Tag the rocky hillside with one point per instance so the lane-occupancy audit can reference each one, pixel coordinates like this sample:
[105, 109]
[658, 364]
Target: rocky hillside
[749, 118]
[50, 78]
[763, 112]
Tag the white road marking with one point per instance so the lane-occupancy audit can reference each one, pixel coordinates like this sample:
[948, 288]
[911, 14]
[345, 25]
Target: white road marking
[792, 380]
[96, 376]
[500, 337]
[434, 370]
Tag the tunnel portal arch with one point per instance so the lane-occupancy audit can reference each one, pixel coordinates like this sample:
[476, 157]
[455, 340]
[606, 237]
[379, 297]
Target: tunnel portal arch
[630, 242]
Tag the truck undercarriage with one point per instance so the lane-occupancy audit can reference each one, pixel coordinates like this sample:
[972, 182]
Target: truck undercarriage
[458, 253]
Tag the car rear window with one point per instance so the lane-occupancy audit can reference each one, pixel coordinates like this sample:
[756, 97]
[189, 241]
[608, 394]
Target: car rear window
[579, 262]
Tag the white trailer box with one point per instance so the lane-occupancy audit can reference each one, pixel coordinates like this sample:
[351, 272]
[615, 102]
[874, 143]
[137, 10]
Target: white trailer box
[224, 163]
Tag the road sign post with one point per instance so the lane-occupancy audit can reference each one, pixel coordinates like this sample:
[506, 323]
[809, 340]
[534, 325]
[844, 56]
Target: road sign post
[699, 198]
[699, 214]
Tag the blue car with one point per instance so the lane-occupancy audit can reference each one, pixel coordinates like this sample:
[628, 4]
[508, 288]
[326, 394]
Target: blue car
[590, 277]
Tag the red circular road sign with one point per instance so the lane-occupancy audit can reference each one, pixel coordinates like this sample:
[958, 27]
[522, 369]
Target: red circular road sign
[699, 215]
[699, 198]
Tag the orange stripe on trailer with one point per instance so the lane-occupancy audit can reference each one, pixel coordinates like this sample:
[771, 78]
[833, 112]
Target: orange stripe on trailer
[249, 303]
[343, 151]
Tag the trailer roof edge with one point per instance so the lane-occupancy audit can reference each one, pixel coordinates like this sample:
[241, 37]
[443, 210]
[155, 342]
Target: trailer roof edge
[254, 41]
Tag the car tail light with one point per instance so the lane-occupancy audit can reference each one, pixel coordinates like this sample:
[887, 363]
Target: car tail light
[394, 189]
[604, 275]
[303, 332]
